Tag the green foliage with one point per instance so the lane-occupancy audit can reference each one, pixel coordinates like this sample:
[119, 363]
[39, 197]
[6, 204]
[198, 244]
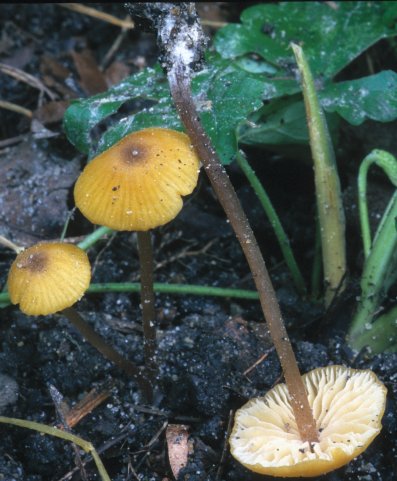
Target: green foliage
[219, 86]
[332, 37]
[373, 97]
[253, 63]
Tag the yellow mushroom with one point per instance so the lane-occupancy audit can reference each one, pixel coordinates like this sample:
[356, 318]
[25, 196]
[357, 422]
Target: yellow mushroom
[348, 406]
[137, 184]
[48, 277]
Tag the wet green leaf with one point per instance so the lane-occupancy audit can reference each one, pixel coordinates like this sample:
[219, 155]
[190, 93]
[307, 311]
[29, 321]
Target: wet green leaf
[332, 36]
[83, 115]
[225, 94]
[373, 97]
[254, 65]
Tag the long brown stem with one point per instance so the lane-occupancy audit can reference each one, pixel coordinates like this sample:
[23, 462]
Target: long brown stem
[147, 299]
[181, 92]
[107, 351]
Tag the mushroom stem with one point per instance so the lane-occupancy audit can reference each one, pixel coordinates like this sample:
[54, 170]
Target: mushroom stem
[147, 300]
[107, 351]
[181, 92]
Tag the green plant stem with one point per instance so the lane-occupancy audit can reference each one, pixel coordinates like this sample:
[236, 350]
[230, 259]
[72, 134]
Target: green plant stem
[180, 289]
[147, 300]
[388, 163]
[66, 225]
[362, 203]
[328, 192]
[107, 351]
[380, 336]
[275, 222]
[179, 81]
[378, 274]
[42, 428]
[94, 237]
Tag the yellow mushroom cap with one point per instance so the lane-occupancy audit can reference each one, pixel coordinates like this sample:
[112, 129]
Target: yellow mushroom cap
[137, 184]
[48, 277]
[348, 405]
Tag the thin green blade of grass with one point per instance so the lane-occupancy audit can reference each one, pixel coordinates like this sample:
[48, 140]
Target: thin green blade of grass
[279, 231]
[328, 192]
[388, 163]
[58, 433]
[378, 275]
[179, 289]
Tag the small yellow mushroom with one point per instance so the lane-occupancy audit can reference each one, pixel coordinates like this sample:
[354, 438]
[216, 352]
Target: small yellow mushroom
[48, 277]
[137, 184]
[348, 405]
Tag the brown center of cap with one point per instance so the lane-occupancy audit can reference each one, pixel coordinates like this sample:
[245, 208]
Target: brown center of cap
[35, 262]
[133, 153]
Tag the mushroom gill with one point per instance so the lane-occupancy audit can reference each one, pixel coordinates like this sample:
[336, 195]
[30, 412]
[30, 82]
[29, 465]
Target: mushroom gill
[348, 406]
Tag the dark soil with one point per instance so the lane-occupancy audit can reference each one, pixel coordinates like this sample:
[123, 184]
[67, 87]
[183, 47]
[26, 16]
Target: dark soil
[205, 344]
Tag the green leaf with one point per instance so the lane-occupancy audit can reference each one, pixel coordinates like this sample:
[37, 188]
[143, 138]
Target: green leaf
[283, 121]
[232, 94]
[332, 36]
[83, 115]
[225, 94]
[373, 97]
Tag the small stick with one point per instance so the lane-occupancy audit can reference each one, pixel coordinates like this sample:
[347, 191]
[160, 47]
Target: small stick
[16, 108]
[92, 12]
[257, 362]
[89, 402]
[22, 76]
[7, 243]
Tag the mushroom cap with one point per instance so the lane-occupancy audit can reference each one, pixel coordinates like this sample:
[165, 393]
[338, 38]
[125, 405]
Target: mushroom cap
[137, 184]
[48, 277]
[347, 404]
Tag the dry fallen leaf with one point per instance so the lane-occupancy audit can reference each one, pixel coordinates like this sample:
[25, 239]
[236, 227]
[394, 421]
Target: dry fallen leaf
[92, 79]
[178, 448]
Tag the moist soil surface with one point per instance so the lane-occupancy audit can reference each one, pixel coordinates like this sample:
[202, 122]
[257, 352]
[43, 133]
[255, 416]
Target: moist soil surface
[213, 353]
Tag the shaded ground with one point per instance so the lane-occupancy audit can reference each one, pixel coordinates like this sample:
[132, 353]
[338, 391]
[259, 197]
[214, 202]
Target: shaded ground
[206, 345]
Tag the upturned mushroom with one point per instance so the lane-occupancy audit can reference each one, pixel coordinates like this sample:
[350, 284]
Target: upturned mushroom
[137, 185]
[51, 277]
[347, 404]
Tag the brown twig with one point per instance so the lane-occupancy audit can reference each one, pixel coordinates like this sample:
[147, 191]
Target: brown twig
[257, 362]
[22, 76]
[115, 45]
[92, 12]
[16, 108]
[87, 404]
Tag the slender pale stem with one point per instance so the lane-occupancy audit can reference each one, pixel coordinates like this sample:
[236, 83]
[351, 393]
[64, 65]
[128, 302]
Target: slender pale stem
[328, 191]
[181, 92]
[181, 289]
[7, 243]
[388, 163]
[107, 351]
[147, 299]
[275, 222]
[58, 433]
